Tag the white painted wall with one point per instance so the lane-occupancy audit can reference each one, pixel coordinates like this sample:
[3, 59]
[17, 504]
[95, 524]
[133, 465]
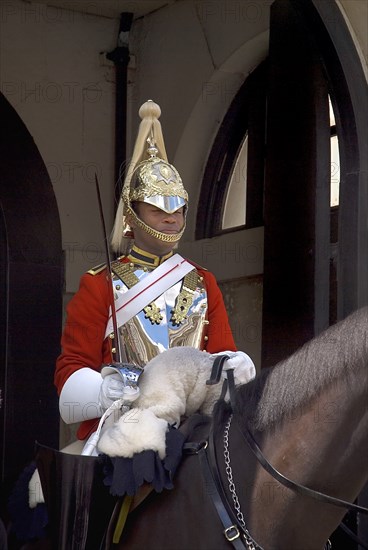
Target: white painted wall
[356, 17]
[191, 57]
[50, 72]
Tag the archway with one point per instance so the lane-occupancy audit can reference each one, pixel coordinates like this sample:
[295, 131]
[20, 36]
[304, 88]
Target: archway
[31, 279]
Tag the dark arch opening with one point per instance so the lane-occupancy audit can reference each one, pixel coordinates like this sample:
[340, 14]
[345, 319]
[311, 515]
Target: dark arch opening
[350, 101]
[246, 114]
[31, 282]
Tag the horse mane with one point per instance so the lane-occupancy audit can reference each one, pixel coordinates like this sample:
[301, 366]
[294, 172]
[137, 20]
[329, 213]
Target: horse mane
[281, 391]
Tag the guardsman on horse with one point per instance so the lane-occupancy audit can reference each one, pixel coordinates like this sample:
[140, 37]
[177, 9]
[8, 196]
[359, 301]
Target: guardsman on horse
[161, 299]
[140, 313]
[147, 305]
[128, 313]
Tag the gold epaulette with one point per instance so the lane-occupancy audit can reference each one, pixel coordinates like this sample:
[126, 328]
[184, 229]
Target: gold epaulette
[197, 266]
[97, 269]
[125, 273]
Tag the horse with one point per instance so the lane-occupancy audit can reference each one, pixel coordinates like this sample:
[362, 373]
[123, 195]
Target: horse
[309, 415]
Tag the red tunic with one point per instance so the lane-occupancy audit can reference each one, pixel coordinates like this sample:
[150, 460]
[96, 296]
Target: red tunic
[83, 342]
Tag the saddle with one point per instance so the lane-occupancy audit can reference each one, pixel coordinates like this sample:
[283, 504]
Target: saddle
[85, 494]
[194, 429]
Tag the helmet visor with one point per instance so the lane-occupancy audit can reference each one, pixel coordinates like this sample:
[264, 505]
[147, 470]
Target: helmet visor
[169, 204]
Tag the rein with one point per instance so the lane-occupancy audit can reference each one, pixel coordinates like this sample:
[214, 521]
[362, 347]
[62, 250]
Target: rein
[235, 530]
[296, 487]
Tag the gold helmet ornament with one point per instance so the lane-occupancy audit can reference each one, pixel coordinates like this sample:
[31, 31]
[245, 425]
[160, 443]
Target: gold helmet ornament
[150, 179]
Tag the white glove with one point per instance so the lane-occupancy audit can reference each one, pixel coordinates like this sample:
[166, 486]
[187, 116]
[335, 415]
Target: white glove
[241, 363]
[113, 388]
[35, 494]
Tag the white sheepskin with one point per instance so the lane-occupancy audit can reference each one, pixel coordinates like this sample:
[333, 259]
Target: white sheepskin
[136, 431]
[172, 385]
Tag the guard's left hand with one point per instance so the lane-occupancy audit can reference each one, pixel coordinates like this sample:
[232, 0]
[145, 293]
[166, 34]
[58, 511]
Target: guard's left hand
[241, 363]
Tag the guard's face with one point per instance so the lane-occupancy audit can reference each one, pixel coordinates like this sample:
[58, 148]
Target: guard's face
[160, 221]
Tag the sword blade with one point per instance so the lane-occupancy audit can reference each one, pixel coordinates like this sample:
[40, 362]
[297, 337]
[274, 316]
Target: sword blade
[109, 275]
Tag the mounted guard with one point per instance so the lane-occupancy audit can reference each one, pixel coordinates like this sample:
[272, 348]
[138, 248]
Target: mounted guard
[161, 299]
[143, 321]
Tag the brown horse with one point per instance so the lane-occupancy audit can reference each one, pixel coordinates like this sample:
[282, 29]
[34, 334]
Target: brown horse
[309, 414]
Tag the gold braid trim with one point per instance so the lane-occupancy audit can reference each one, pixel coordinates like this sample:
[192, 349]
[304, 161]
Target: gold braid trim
[185, 298]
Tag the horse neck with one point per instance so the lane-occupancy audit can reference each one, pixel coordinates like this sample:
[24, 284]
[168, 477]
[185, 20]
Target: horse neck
[322, 445]
[309, 416]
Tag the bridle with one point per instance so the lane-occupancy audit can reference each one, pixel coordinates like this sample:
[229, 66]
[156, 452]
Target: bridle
[235, 530]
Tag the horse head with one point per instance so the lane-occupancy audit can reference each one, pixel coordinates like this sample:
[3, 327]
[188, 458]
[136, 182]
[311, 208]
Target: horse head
[309, 414]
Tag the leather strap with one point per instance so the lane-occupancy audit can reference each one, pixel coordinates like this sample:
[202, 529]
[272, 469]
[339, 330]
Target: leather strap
[217, 370]
[300, 489]
[353, 536]
[231, 530]
[213, 481]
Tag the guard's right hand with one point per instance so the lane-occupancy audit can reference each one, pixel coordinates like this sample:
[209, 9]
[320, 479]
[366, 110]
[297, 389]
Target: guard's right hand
[113, 388]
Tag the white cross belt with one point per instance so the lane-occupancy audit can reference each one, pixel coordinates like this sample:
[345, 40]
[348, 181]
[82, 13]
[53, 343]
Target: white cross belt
[148, 289]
